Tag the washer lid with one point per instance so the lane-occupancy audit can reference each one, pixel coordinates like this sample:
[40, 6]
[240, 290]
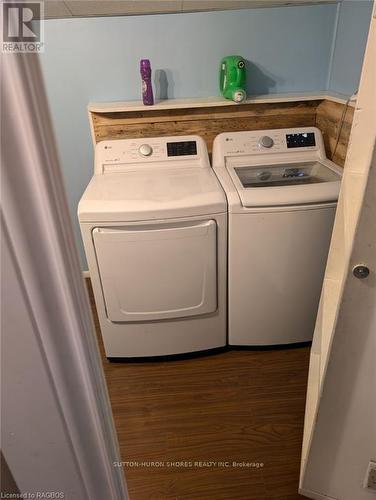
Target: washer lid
[286, 183]
[147, 194]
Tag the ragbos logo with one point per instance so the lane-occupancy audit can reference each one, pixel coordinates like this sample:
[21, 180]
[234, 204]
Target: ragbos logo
[22, 27]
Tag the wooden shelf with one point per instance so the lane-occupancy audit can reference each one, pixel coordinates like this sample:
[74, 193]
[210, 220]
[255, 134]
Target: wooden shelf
[210, 116]
[206, 102]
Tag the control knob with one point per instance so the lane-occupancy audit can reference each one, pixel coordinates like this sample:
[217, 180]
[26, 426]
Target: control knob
[145, 150]
[266, 141]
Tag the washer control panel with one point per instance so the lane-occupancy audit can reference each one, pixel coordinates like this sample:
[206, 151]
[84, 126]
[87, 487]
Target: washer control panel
[262, 142]
[123, 154]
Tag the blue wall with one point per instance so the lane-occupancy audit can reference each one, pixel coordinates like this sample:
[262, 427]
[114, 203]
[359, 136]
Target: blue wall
[350, 41]
[96, 59]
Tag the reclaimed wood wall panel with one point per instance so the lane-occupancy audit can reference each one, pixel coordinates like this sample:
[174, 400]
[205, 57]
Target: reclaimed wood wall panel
[332, 118]
[335, 120]
[206, 122]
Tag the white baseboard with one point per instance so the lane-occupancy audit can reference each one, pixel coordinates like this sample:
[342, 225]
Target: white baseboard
[314, 495]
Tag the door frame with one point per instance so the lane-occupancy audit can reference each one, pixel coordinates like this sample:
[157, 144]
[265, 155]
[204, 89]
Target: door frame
[345, 311]
[39, 233]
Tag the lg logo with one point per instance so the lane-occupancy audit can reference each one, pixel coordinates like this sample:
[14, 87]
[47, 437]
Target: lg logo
[22, 27]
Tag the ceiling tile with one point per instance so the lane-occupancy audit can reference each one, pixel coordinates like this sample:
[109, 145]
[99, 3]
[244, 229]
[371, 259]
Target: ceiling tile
[55, 9]
[125, 7]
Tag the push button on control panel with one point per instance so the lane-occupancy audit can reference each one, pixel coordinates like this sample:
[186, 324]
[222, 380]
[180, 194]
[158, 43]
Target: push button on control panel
[266, 141]
[145, 150]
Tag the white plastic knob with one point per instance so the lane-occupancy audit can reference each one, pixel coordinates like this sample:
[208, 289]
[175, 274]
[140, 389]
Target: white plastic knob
[145, 150]
[266, 141]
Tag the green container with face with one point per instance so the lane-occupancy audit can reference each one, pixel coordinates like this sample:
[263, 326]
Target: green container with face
[233, 78]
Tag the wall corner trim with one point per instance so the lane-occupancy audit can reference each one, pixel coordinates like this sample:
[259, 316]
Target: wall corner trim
[333, 47]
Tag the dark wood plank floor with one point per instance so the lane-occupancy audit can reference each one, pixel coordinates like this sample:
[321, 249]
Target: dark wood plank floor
[236, 406]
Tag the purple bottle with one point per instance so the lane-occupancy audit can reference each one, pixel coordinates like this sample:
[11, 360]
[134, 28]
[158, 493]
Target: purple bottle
[147, 89]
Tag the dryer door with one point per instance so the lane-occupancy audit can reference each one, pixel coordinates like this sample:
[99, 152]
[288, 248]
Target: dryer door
[157, 272]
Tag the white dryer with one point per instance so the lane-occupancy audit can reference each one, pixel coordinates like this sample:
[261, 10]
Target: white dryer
[154, 225]
[282, 193]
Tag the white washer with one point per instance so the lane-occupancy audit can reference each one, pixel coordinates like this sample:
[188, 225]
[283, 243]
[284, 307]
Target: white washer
[154, 225]
[282, 194]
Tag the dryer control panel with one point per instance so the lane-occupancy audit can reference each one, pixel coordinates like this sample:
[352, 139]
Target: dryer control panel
[125, 154]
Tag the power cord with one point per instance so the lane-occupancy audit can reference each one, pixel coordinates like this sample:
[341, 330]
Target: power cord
[351, 98]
